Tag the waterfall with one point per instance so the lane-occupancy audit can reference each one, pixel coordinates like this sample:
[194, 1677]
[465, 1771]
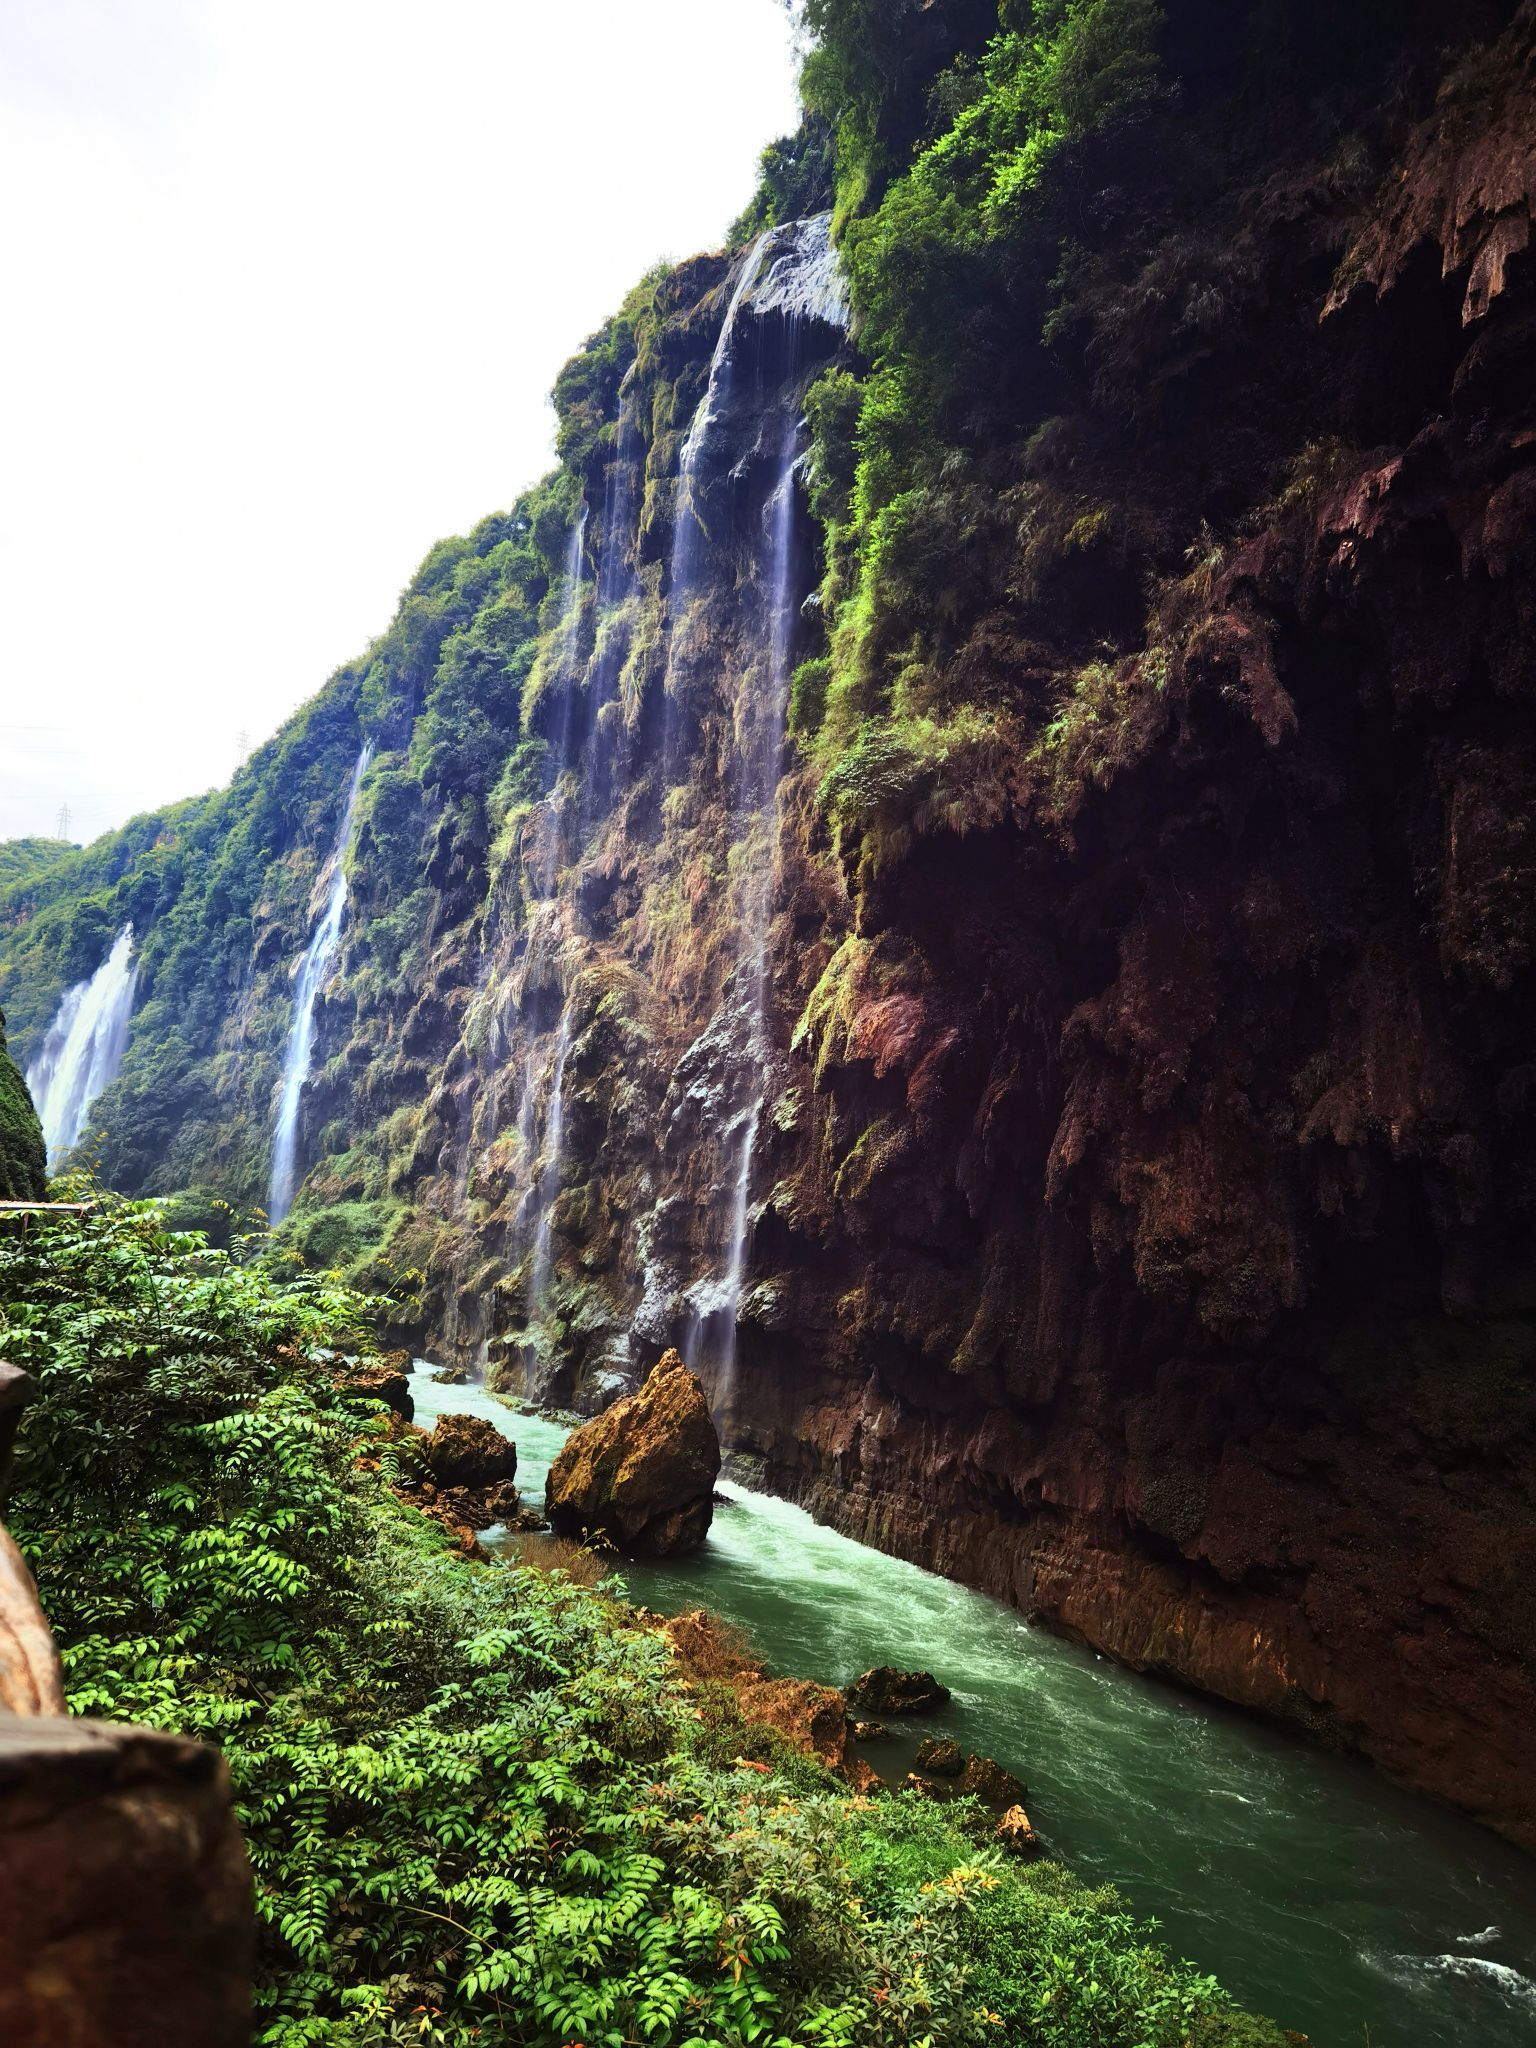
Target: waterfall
[760, 746]
[717, 391]
[547, 1185]
[790, 286]
[312, 972]
[614, 580]
[84, 1048]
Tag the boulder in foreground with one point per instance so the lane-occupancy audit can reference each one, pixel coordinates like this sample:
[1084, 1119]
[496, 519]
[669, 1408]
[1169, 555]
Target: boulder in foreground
[641, 1476]
[466, 1450]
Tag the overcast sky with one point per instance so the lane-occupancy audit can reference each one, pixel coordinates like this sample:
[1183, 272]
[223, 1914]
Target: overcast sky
[285, 285]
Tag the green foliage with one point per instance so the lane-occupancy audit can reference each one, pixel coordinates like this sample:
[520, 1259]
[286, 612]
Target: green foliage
[794, 179]
[23, 1176]
[481, 1807]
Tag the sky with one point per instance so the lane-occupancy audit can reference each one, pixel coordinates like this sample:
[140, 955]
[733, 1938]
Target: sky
[284, 285]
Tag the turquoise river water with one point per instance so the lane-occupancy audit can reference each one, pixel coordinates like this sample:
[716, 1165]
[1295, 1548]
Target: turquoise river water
[1316, 1892]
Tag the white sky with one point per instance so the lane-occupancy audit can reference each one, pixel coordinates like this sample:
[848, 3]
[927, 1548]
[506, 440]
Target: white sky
[283, 288]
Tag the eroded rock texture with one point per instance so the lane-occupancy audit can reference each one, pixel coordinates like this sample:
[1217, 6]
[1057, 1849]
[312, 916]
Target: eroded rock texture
[641, 1476]
[125, 1898]
[1137, 1060]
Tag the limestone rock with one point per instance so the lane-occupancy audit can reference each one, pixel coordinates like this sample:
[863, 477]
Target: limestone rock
[30, 1679]
[986, 1779]
[641, 1475]
[1015, 1834]
[940, 1757]
[466, 1450]
[888, 1691]
[380, 1381]
[125, 1897]
[869, 1731]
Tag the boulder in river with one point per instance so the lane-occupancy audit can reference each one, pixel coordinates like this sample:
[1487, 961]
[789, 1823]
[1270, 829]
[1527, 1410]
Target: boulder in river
[986, 1780]
[379, 1380]
[869, 1731]
[939, 1757]
[1015, 1834]
[888, 1691]
[641, 1476]
[466, 1450]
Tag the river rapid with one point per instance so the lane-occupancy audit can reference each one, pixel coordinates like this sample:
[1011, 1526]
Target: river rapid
[1314, 1890]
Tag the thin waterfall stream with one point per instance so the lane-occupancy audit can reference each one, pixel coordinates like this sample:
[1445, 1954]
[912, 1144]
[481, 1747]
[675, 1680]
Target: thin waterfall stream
[83, 1048]
[313, 970]
[1312, 1887]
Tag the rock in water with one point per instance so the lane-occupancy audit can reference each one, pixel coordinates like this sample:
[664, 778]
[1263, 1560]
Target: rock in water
[1015, 1833]
[641, 1476]
[887, 1691]
[940, 1758]
[987, 1780]
[466, 1450]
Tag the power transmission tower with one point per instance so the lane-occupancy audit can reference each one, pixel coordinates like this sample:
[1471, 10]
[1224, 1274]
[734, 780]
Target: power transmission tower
[242, 750]
[63, 831]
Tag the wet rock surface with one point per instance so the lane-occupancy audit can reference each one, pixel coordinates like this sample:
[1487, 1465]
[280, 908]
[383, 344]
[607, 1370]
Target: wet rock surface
[885, 1690]
[641, 1476]
[1015, 1833]
[468, 1451]
[939, 1757]
[384, 1381]
[986, 1780]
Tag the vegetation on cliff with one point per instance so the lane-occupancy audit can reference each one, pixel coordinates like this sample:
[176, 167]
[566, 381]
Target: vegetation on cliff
[480, 1804]
[23, 1166]
[1150, 974]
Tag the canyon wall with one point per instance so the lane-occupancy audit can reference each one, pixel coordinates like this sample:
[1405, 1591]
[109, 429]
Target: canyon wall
[969, 858]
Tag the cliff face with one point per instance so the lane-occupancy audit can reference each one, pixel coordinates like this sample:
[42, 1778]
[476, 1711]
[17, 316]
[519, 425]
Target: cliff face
[21, 1140]
[1072, 1097]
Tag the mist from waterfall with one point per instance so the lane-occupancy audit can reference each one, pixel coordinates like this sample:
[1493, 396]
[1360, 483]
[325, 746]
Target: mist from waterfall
[312, 973]
[83, 1048]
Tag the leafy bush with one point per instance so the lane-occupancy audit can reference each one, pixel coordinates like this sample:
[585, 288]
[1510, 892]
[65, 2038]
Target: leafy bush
[481, 1804]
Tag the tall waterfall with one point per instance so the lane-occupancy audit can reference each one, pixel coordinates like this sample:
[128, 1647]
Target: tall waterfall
[760, 747]
[312, 972]
[614, 577]
[686, 530]
[789, 288]
[84, 1048]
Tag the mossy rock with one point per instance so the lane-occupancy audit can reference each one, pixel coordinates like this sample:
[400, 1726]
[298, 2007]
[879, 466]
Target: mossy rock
[23, 1162]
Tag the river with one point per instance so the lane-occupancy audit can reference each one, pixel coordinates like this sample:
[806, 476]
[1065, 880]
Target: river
[1314, 1890]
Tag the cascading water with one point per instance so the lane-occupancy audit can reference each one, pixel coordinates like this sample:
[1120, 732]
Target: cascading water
[84, 1048]
[760, 746]
[614, 578]
[312, 972]
[790, 285]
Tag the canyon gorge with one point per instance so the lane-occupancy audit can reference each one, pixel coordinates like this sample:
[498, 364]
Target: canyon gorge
[967, 859]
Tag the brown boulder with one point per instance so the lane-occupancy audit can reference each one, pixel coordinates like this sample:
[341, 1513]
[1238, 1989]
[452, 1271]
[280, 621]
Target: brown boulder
[380, 1382]
[466, 1450]
[125, 1898]
[986, 1780]
[888, 1691]
[1015, 1834]
[940, 1757]
[641, 1476]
